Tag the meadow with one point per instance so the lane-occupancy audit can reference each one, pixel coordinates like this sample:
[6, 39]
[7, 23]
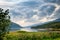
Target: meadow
[22, 35]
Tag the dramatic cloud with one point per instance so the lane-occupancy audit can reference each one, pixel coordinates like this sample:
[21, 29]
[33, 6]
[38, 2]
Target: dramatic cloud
[53, 1]
[30, 12]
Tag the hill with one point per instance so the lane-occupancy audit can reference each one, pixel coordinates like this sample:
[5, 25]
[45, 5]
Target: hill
[14, 27]
[52, 24]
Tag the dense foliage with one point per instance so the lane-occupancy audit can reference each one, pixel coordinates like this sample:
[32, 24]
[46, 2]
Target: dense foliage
[4, 22]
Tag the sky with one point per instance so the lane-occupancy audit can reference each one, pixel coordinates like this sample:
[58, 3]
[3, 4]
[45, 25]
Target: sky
[30, 12]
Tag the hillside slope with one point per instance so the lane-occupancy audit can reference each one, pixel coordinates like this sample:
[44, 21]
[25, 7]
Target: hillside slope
[14, 26]
[53, 24]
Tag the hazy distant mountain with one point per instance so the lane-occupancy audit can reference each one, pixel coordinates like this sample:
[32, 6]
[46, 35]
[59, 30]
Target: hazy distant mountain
[52, 24]
[14, 26]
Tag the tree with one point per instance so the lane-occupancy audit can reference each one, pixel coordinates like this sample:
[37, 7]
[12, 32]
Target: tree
[4, 22]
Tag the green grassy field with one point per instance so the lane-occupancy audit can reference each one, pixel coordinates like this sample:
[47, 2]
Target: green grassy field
[21, 35]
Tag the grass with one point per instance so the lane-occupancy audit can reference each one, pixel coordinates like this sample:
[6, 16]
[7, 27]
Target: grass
[22, 35]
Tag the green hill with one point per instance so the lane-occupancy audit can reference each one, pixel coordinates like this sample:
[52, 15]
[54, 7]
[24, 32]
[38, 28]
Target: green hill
[48, 25]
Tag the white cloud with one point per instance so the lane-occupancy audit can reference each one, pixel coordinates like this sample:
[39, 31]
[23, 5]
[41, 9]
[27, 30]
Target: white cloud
[35, 17]
[45, 19]
[27, 15]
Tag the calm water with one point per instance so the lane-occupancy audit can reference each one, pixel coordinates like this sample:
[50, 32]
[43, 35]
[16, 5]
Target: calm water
[28, 29]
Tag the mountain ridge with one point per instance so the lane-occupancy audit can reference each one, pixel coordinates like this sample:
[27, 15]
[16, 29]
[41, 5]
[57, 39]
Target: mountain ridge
[52, 24]
[14, 26]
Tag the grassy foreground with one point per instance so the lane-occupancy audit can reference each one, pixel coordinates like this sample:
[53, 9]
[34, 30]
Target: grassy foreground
[21, 35]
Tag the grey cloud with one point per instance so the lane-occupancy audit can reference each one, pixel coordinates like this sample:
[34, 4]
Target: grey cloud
[31, 4]
[57, 13]
[24, 10]
[53, 1]
[48, 9]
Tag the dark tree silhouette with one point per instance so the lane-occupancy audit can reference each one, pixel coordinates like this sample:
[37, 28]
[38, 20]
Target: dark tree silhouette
[4, 22]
